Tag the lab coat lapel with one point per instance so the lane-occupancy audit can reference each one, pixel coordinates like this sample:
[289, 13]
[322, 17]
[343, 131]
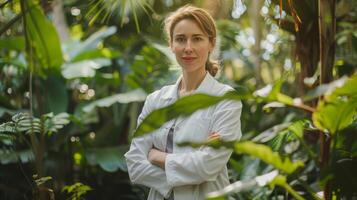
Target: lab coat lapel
[172, 95]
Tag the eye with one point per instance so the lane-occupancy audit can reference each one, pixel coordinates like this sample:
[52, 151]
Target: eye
[180, 39]
[197, 39]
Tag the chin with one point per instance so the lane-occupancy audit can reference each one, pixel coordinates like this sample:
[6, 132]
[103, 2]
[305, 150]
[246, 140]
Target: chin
[190, 69]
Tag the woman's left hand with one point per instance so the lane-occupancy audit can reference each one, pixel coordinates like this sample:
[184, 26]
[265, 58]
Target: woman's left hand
[157, 157]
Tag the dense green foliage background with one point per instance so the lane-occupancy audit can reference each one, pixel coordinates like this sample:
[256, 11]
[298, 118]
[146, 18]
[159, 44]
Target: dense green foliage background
[74, 75]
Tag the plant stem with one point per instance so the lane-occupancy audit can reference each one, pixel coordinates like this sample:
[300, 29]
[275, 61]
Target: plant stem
[29, 58]
[10, 23]
[304, 107]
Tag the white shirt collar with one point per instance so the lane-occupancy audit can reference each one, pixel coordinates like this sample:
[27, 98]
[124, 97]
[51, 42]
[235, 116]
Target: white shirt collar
[204, 87]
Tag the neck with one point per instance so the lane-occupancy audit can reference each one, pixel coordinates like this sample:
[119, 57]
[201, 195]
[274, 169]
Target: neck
[191, 80]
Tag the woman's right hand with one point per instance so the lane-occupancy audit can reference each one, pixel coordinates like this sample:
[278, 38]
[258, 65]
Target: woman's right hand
[213, 136]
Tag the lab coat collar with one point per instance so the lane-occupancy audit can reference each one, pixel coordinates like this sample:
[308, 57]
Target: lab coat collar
[204, 87]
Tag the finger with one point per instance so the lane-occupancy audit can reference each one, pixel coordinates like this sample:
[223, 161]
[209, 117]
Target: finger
[213, 136]
[214, 133]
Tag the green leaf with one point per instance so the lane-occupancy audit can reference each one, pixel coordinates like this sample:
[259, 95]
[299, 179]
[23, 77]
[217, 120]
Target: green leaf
[324, 89]
[22, 122]
[43, 37]
[132, 96]
[84, 68]
[270, 133]
[8, 127]
[56, 96]
[91, 43]
[298, 127]
[272, 93]
[244, 185]
[13, 43]
[346, 89]
[52, 123]
[265, 153]
[182, 108]
[42, 180]
[77, 190]
[281, 181]
[261, 151]
[5, 136]
[335, 115]
[146, 72]
[7, 156]
[96, 53]
[103, 9]
[339, 107]
[109, 159]
[18, 62]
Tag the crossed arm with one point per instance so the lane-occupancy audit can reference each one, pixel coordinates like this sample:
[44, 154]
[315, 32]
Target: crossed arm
[162, 171]
[158, 158]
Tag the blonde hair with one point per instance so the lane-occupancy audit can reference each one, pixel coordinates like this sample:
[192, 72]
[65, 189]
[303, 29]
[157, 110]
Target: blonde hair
[203, 19]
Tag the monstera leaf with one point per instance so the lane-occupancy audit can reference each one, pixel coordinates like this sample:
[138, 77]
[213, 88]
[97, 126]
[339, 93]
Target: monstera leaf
[109, 159]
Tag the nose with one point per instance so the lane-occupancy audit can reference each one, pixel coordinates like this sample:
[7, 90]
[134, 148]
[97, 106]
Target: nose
[188, 47]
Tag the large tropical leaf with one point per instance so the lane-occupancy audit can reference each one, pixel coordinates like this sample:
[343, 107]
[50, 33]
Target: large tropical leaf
[10, 156]
[261, 151]
[75, 50]
[42, 37]
[56, 96]
[5, 136]
[346, 89]
[52, 123]
[4, 110]
[85, 68]
[184, 107]
[13, 43]
[103, 9]
[23, 122]
[324, 89]
[96, 53]
[241, 186]
[265, 153]
[145, 71]
[335, 115]
[339, 107]
[109, 159]
[132, 96]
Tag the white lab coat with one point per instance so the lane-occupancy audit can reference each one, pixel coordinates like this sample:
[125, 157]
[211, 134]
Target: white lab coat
[190, 173]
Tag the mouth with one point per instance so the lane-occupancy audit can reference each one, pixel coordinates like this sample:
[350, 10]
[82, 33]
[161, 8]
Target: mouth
[188, 59]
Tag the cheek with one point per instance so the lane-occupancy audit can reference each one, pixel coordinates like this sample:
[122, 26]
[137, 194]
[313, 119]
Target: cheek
[176, 50]
[203, 52]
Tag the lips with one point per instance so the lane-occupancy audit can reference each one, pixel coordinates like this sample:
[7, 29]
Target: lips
[188, 59]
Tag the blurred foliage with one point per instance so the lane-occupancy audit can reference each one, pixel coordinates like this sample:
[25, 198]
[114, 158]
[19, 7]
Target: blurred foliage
[68, 107]
[76, 190]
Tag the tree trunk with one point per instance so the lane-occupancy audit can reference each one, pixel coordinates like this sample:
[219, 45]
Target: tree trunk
[307, 49]
[327, 29]
[59, 20]
[307, 42]
[255, 21]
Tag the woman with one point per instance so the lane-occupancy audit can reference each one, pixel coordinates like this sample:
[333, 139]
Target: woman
[154, 160]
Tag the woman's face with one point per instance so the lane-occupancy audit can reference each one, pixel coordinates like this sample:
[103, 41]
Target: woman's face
[190, 45]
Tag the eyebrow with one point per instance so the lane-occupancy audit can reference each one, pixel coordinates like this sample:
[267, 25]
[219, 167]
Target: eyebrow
[194, 35]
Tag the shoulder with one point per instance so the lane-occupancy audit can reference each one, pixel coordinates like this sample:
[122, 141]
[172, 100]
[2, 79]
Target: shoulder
[160, 93]
[220, 88]
[157, 98]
